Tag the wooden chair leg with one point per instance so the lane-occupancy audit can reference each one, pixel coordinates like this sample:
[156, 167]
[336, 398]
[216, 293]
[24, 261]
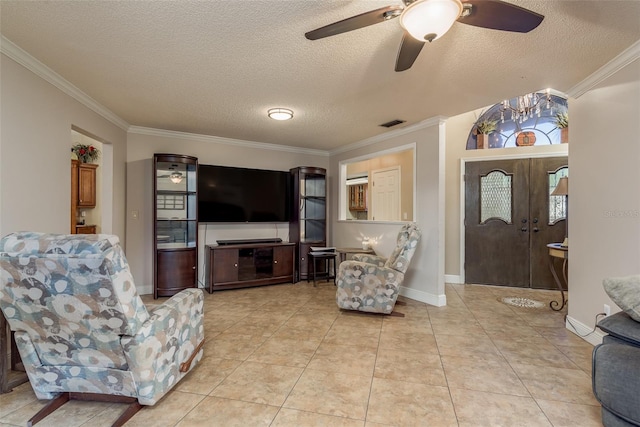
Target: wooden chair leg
[131, 410]
[184, 366]
[396, 314]
[49, 408]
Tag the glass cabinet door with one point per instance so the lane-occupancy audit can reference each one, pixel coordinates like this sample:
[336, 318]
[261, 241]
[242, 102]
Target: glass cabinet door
[313, 208]
[176, 207]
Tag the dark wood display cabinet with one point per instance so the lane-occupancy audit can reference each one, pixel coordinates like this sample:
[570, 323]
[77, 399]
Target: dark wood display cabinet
[308, 223]
[253, 264]
[175, 217]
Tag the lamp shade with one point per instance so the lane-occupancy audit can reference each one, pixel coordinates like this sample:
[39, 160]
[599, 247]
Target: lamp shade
[176, 177]
[562, 188]
[430, 19]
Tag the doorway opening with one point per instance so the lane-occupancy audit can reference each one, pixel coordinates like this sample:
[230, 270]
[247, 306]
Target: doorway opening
[88, 216]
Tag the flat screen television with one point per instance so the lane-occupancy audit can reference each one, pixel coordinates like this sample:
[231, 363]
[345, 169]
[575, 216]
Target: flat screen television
[230, 194]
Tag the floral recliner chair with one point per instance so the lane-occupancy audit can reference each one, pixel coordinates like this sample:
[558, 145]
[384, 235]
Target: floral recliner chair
[371, 283]
[82, 330]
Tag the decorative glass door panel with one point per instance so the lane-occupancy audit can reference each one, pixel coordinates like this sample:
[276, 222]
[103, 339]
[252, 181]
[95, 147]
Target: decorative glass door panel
[495, 197]
[176, 205]
[557, 205]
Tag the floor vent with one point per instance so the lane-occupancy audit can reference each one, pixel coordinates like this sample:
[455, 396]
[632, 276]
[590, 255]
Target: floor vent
[392, 123]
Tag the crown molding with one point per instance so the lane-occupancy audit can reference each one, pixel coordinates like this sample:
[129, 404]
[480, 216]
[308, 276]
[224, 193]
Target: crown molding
[13, 51]
[626, 57]
[221, 140]
[433, 121]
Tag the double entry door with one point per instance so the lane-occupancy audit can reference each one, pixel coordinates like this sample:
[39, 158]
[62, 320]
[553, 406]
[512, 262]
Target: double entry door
[510, 217]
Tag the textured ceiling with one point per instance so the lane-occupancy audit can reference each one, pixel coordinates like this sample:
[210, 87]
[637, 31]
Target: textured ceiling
[215, 67]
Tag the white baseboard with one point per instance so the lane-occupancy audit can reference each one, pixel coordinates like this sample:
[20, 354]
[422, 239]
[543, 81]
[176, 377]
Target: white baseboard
[584, 331]
[144, 289]
[427, 298]
[453, 278]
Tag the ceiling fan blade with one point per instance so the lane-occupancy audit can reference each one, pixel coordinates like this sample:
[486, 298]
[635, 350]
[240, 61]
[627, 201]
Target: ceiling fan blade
[500, 15]
[409, 50]
[355, 22]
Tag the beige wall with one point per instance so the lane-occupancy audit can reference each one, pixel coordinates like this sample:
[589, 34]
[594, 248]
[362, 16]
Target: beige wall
[458, 129]
[425, 278]
[604, 204]
[211, 151]
[35, 141]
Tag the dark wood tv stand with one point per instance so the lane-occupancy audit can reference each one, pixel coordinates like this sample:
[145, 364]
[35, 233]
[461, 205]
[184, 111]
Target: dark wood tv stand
[248, 264]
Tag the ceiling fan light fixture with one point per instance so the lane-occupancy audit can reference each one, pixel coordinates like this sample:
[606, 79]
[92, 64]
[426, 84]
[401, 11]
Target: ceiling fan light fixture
[176, 177]
[428, 20]
[280, 113]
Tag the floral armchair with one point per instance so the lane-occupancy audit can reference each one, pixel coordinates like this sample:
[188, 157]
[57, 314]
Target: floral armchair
[82, 330]
[371, 283]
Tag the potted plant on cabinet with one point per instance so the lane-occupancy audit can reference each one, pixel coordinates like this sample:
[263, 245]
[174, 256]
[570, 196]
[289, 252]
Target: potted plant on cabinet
[86, 153]
[562, 123]
[483, 128]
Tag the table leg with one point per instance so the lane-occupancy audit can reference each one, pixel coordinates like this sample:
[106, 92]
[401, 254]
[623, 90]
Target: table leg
[4, 351]
[333, 260]
[554, 304]
[313, 269]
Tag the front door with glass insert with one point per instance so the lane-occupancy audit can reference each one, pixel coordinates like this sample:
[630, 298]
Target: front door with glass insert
[510, 217]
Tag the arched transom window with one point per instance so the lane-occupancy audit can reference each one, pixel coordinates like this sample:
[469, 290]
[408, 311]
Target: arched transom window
[543, 128]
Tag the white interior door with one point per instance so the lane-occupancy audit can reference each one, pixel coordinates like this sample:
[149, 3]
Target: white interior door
[385, 197]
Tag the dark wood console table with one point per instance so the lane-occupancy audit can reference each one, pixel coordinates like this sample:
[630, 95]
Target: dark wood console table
[556, 250]
[251, 264]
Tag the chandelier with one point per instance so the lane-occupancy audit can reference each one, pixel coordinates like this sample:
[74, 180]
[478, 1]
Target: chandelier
[526, 106]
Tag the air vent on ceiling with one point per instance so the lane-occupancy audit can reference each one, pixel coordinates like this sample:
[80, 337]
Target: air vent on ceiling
[393, 123]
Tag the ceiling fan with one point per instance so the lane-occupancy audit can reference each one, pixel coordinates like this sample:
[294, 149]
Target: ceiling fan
[428, 20]
[175, 176]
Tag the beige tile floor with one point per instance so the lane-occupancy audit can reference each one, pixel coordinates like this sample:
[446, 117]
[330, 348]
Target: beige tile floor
[285, 355]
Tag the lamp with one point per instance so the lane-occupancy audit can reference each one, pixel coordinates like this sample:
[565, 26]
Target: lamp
[526, 106]
[562, 189]
[280, 113]
[430, 19]
[176, 177]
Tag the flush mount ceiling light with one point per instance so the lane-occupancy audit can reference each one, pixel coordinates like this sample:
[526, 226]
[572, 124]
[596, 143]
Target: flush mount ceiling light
[280, 113]
[430, 19]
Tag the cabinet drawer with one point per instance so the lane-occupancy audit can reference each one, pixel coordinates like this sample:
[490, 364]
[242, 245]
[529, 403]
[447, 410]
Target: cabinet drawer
[85, 229]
